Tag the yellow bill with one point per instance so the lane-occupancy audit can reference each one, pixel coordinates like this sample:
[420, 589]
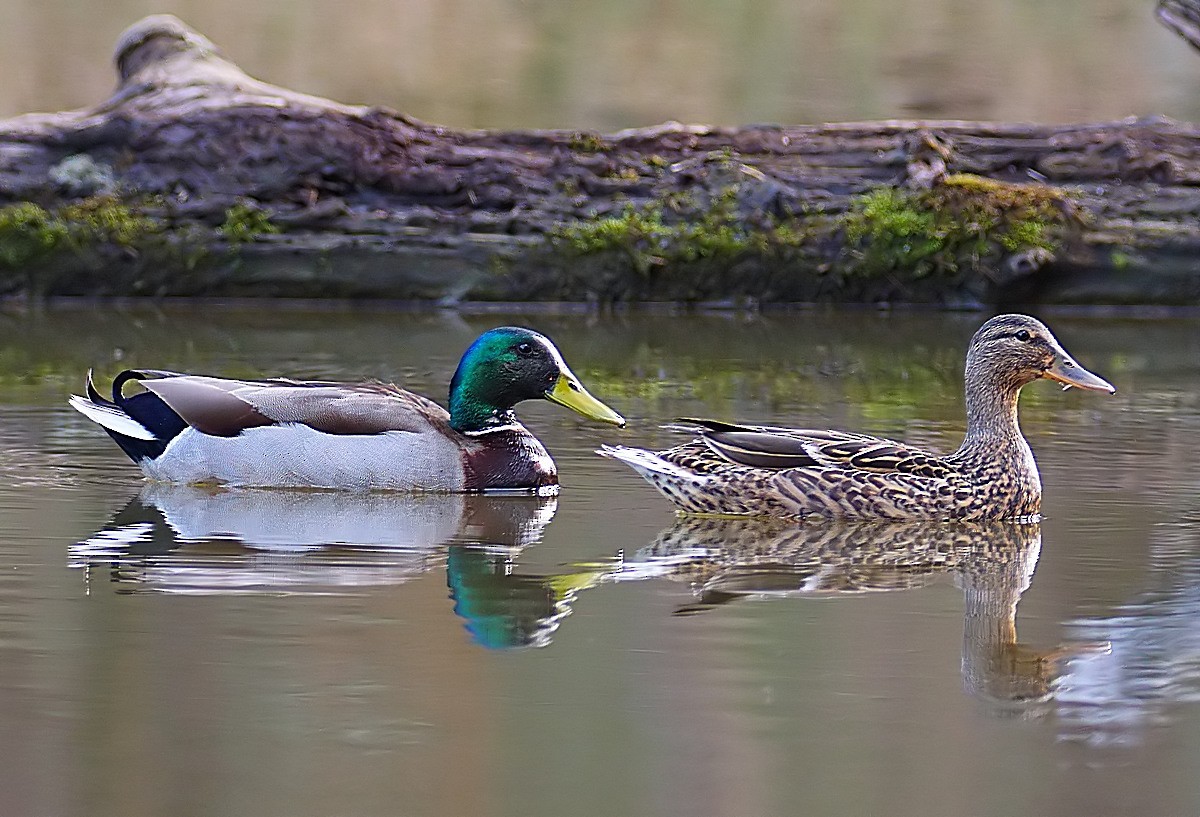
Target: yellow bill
[568, 392]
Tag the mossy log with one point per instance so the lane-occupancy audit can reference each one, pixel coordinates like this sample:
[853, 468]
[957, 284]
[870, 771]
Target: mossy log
[195, 178]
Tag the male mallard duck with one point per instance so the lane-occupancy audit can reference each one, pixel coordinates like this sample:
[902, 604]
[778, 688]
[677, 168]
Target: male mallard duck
[765, 471]
[355, 436]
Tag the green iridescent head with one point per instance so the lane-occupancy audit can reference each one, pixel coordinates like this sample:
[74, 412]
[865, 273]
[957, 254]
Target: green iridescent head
[507, 365]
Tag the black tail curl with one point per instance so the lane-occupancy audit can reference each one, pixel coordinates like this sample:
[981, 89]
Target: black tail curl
[146, 407]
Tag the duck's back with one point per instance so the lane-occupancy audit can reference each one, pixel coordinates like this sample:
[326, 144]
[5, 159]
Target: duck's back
[281, 433]
[699, 480]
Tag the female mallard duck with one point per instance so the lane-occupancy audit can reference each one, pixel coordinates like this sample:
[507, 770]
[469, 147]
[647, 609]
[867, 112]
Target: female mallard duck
[354, 436]
[764, 471]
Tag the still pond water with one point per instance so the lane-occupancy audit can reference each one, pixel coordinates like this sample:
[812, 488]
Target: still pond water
[172, 651]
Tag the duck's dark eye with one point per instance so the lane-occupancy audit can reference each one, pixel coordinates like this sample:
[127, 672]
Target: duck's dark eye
[1023, 336]
[525, 349]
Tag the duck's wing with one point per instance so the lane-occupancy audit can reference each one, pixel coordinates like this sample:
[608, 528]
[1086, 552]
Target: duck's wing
[781, 448]
[224, 407]
[880, 456]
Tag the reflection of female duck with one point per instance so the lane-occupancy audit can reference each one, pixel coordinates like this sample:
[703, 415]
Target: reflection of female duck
[727, 559]
[181, 538]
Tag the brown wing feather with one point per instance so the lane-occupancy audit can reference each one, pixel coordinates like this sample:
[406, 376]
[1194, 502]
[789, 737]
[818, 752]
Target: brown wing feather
[227, 407]
[782, 448]
[208, 404]
[884, 457]
[760, 449]
[344, 408]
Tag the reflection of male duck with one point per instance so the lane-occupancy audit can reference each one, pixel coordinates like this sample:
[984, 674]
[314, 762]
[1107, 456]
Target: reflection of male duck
[182, 539]
[993, 563]
[504, 609]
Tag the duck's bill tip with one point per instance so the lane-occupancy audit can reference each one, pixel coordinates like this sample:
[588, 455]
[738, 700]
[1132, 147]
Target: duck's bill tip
[1071, 374]
[569, 393]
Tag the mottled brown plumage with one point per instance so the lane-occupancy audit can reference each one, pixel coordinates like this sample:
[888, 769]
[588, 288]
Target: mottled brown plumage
[769, 471]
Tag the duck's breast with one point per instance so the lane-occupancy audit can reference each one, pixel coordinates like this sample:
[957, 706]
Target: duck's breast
[508, 458]
[1007, 484]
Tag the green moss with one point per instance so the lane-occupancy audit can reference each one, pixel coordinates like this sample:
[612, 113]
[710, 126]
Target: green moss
[670, 232]
[964, 223]
[96, 233]
[633, 226]
[27, 233]
[963, 226]
[652, 240]
[1120, 260]
[103, 219]
[1022, 235]
[892, 232]
[245, 222]
[585, 142]
[619, 172]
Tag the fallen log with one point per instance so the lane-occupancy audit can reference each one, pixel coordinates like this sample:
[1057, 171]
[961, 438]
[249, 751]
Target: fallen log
[195, 178]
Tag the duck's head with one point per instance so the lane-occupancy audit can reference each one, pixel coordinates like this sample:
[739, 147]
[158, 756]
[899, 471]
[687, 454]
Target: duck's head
[510, 364]
[1013, 350]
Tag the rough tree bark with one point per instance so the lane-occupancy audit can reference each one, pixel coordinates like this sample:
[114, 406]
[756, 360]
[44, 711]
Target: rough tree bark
[361, 201]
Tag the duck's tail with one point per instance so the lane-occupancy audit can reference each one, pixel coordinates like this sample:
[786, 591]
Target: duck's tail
[686, 489]
[142, 425]
[727, 490]
[647, 463]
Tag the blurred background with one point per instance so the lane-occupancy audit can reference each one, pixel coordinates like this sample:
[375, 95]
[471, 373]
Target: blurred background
[610, 64]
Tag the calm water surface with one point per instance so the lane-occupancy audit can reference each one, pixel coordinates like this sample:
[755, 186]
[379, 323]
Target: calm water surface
[175, 651]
